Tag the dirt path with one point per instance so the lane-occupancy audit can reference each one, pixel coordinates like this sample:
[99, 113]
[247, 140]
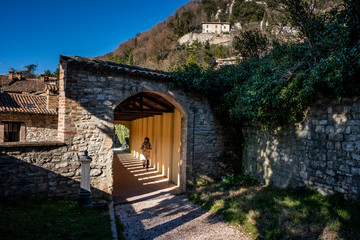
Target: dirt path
[172, 217]
[152, 208]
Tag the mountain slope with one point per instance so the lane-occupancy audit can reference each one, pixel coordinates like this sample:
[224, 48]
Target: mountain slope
[159, 48]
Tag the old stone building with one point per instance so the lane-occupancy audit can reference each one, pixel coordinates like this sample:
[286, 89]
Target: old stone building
[216, 27]
[28, 109]
[93, 96]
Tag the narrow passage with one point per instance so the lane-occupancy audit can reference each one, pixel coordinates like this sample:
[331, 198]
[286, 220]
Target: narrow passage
[132, 182]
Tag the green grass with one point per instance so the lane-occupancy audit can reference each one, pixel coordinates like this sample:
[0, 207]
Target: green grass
[271, 213]
[46, 219]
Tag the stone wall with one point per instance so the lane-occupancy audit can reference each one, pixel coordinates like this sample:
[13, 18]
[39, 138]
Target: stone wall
[38, 170]
[323, 151]
[35, 169]
[37, 127]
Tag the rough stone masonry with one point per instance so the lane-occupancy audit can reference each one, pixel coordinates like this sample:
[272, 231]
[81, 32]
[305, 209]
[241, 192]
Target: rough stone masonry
[322, 151]
[91, 90]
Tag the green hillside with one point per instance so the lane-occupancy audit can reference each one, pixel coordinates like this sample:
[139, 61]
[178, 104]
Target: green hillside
[158, 48]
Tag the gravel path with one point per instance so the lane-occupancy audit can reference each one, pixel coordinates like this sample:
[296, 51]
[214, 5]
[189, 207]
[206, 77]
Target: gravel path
[172, 216]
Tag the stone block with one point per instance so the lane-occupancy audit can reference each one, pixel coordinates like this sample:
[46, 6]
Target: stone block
[357, 146]
[100, 97]
[337, 137]
[354, 129]
[344, 168]
[329, 129]
[98, 90]
[303, 175]
[319, 129]
[355, 171]
[330, 181]
[356, 157]
[348, 146]
[92, 78]
[330, 172]
[331, 156]
[352, 137]
[323, 122]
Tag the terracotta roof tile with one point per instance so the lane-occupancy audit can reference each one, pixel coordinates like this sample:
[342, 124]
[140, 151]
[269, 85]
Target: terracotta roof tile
[20, 86]
[24, 103]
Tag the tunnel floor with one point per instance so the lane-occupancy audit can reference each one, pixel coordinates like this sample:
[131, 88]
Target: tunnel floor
[132, 182]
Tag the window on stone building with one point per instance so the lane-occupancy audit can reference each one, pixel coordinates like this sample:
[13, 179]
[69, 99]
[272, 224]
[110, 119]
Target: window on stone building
[11, 131]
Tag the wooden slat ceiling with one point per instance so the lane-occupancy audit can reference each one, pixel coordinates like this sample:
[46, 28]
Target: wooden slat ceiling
[142, 105]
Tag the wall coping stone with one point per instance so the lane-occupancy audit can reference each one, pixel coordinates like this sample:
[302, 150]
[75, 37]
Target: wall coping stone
[31, 144]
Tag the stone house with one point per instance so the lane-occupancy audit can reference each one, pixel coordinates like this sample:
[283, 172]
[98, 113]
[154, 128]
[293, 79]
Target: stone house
[216, 27]
[28, 109]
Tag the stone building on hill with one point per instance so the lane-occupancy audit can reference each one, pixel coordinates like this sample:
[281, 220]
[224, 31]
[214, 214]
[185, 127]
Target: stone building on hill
[28, 108]
[216, 27]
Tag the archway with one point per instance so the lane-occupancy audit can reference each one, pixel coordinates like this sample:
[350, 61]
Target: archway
[159, 117]
[89, 92]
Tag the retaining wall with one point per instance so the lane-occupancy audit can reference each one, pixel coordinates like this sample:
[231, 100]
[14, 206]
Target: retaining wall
[323, 151]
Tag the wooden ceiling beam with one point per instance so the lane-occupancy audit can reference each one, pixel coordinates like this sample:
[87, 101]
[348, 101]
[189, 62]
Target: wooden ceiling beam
[164, 105]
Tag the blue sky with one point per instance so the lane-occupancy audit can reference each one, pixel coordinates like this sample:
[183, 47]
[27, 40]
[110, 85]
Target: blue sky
[38, 31]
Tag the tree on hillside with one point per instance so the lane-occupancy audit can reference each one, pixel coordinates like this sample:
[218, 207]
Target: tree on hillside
[247, 11]
[162, 44]
[208, 55]
[250, 44]
[183, 24]
[209, 7]
[302, 15]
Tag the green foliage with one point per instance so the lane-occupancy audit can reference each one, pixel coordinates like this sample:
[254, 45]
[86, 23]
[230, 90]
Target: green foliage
[224, 14]
[30, 71]
[31, 68]
[208, 55]
[183, 24]
[48, 73]
[122, 132]
[55, 74]
[125, 58]
[238, 181]
[279, 87]
[219, 51]
[245, 12]
[301, 14]
[209, 7]
[251, 44]
[42, 219]
[270, 213]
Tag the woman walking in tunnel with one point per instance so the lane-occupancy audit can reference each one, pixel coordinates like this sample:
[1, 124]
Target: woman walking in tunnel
[146, 148]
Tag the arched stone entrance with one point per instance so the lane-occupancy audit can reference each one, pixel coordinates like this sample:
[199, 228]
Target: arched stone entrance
[148, 114]
[90, 92]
